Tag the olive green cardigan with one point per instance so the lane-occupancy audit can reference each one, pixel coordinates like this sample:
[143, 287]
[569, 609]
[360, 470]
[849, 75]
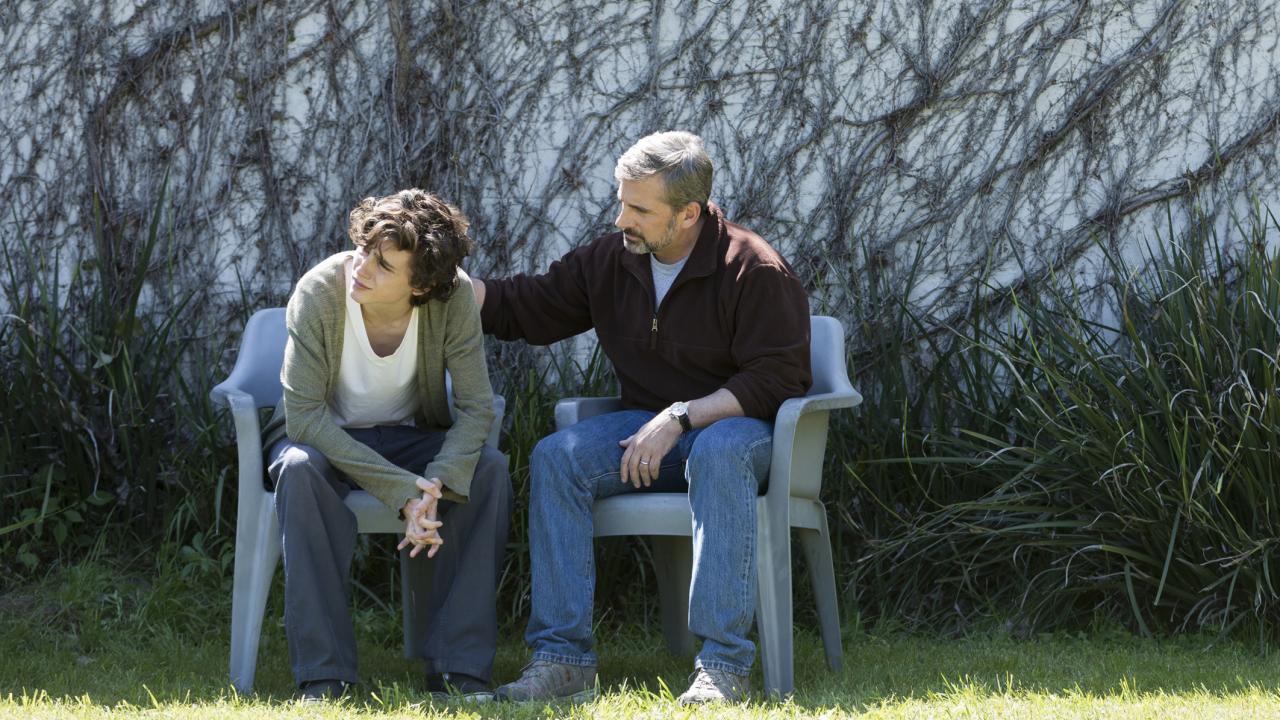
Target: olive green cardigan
[449, 337]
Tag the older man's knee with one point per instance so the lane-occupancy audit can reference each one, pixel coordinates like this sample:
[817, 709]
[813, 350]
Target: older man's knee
[734, 442]
[551, 451]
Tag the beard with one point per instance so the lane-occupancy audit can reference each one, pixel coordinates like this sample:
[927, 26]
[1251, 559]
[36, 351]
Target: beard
[638, 244]
[635, 244]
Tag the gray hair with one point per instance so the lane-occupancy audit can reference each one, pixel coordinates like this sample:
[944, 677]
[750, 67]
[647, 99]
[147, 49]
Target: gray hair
[677, 157]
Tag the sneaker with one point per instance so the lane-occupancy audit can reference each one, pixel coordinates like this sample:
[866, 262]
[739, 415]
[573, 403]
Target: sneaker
[318, 691]
[445, 687]
[546, 680]
[709, 686]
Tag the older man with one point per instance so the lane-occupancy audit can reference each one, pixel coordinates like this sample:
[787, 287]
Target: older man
[708, 331]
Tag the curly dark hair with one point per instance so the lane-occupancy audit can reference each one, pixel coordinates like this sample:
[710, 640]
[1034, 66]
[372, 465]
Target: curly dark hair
[434, 231]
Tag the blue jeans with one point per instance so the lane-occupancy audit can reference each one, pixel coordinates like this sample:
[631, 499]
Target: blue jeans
[722, 466]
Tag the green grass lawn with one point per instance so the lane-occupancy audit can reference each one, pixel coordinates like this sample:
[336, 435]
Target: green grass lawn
[87, 644]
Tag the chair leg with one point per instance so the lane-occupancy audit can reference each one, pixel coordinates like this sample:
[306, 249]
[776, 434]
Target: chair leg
[673, 566]
[817, 555]
[773, 609]
[415, 588]
[257, 553]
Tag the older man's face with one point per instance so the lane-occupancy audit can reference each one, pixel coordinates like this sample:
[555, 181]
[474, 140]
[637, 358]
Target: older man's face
[647, 222]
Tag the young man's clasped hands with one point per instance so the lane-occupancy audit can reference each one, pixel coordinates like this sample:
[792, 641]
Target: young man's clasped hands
[422, 521]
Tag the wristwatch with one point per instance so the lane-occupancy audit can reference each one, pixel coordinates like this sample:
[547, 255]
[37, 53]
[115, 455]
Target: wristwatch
[680, 411]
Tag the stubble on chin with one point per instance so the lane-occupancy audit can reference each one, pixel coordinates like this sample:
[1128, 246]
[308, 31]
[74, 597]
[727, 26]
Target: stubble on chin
[635, 247]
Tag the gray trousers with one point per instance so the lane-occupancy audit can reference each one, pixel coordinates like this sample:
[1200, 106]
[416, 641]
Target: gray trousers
[319, 534]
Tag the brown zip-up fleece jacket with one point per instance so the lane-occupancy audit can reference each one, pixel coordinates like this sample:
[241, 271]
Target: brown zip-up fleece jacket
[736, 317]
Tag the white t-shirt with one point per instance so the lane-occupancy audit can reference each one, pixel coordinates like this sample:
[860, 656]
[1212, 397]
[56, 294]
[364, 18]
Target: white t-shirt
[375, 390]
[663, 276]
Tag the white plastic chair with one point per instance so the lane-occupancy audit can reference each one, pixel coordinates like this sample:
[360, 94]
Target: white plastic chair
[791, 502]
[254, 383]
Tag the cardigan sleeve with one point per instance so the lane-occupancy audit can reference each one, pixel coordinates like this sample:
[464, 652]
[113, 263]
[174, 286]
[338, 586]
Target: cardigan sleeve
[464, 358]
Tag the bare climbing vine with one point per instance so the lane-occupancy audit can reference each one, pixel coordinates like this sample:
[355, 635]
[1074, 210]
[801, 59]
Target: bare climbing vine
[873, 142]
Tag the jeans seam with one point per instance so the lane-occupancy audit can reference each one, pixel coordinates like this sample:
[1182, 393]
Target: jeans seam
[751, 449]
[749, 561]
[596, 478]
[752, 589]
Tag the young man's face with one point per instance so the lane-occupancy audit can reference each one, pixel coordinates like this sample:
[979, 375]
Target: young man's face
[647, 222]
[381, 277]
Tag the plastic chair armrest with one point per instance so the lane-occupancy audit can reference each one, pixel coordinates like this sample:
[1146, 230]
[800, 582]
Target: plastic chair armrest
[244, 416]
[571, 411]
[235, 382]
[223, 393]
[792, 409]
[785, 426]
[495, 432]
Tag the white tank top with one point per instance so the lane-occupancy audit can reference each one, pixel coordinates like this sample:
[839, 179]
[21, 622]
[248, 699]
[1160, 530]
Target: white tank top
[375, 390]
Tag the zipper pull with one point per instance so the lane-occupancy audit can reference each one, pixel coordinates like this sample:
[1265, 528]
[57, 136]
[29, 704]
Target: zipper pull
[653, 333]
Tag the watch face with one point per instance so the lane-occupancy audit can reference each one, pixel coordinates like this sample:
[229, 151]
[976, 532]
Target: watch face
[680, 411]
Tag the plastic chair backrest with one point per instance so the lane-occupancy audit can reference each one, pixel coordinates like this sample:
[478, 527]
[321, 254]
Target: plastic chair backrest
[257, 369]
[826, 356]
[802, 462]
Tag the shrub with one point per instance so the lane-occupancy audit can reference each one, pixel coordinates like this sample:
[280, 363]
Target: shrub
[1052, 467]
[108, 427]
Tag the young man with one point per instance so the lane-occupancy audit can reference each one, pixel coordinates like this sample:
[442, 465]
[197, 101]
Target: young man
[371, 333]
[708, 331]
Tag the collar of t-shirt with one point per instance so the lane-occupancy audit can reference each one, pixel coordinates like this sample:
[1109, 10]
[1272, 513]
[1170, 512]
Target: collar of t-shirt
[664, 275]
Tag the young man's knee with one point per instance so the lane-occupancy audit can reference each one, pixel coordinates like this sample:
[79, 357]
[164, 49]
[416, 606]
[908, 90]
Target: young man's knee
[299, 463]
[492, 479]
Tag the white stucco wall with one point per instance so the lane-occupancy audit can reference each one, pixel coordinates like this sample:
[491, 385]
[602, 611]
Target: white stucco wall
[988, 140]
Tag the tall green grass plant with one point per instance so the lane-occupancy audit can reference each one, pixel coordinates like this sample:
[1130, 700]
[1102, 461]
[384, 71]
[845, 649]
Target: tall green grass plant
[1050, 467]
[108, 430]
